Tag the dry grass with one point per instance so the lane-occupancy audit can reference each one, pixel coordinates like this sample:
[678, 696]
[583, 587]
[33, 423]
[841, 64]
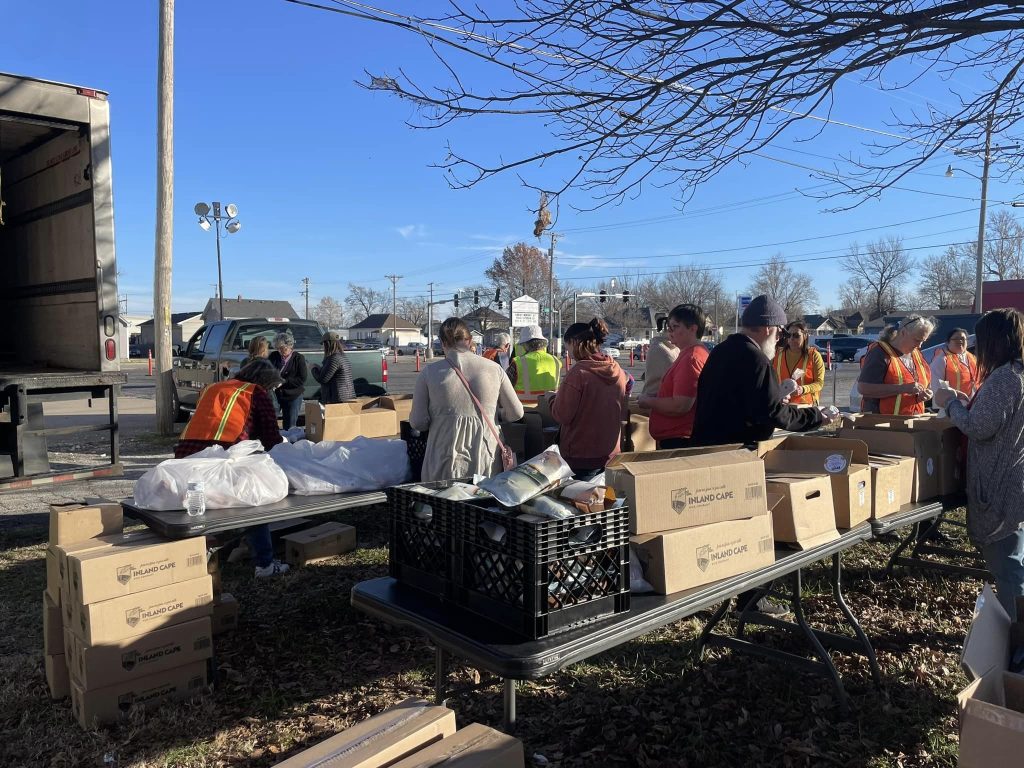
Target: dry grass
[304, 665]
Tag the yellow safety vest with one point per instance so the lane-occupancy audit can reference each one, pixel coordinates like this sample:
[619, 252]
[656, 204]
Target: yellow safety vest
[536, 373]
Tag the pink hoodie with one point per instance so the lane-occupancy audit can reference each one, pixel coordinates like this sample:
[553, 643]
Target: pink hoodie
[589, 407]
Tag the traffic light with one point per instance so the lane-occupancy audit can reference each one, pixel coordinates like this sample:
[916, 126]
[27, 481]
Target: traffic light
[604, 295]
[456, 301]
[625, 297]
[476, 297]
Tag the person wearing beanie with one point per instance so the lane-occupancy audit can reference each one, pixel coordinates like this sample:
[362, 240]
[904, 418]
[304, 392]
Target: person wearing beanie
[740, 400]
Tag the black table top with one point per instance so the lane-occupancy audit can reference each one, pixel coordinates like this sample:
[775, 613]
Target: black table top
[177, 524]
[914, 513]
[479, 641]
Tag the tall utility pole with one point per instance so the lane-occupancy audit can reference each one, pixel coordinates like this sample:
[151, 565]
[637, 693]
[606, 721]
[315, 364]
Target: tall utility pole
[305, 291]
[164, 255]
[551, 292]
[394, 310]
[430, 324]
[979, 267]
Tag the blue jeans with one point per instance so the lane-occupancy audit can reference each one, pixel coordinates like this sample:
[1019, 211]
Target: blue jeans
[290, 412]
[261, 545]
[1005, 559]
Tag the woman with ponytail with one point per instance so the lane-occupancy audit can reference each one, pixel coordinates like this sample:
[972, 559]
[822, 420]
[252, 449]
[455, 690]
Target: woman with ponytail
[994, 425]
[591, 403]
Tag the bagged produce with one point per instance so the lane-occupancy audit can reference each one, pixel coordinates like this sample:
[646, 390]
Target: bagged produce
[241, 476]
[362, 464]
[294, 435]
[548, 508]
[531, 478]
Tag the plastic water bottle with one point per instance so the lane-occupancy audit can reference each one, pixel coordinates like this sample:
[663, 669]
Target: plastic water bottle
[195, 496]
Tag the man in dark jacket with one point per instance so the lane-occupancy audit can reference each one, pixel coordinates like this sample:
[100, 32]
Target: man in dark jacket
[739, 399]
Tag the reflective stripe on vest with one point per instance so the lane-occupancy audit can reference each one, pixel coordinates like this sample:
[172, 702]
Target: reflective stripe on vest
[955, 369]
[537, 373]
[897, 373]
[221, 412]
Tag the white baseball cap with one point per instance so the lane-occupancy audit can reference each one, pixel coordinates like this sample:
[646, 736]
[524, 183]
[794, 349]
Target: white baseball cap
[531, 333]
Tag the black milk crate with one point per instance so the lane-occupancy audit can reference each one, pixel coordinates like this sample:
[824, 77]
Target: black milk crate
[421, 542]
[415, 446]
[541, 577]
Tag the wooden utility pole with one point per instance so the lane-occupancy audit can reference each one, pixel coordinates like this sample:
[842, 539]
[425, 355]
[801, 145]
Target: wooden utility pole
[394, 310]
[164, 256]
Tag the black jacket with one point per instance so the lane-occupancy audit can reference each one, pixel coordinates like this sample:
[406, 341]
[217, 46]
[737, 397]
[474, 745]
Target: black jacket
[739, 399]
[335, 377]
[294, 377]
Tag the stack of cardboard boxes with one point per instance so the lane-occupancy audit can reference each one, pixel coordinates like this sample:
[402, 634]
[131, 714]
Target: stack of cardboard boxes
[413, 734]
[696, 516]
[135, 611]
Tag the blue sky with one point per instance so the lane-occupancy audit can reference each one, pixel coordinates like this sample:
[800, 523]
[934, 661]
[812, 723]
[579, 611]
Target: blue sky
[332, 184]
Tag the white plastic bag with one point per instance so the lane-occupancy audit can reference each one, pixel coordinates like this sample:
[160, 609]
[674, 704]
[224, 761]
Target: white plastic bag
[529, 479]
[341, 467]
[241, 476]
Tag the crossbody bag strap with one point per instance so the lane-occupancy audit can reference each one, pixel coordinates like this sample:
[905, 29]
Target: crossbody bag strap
[479, 407]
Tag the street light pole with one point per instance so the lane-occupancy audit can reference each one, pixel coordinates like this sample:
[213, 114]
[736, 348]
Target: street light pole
[231, 226]
[979, 267]
[220, 274]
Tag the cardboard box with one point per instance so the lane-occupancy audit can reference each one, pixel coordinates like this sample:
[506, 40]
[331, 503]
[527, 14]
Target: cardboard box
[67, 601]
[71, 523]
[845, 461]
[123, 617]
[323, 541]
[109, 704]
[225, 613]
[892, 484]
[57, 679]
[691, 557]
[637, 435]
[103, 574]
[52, 574]
[925, 447]
[99, 666]
[688, 489]
[346, 421]
[400, 404]
[475, 746]
[805, 515]
[380, 740]
[992, 705]
[53, 626]
[952, 462]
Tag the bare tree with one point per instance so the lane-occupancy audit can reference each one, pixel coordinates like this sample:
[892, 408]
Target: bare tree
[521, 269]
[795, 292]
[365, 301]
[878, 275]
[329, 313]
[1004, 247]
[947, 279]
[414, 310]
[687, 89]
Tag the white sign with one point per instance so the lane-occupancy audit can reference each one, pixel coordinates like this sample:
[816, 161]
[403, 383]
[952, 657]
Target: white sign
[525, 311]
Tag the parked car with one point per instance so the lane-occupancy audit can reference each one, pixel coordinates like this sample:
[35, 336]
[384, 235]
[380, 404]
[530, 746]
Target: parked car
[843, 347]
[927, 352]
[611, 352]
[412, 348]
[630, 343]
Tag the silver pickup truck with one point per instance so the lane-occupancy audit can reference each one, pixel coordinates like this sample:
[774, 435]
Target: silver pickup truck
[216, 351]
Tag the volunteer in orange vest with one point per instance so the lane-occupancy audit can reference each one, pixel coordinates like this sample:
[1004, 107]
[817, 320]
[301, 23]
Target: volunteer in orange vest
[954, 364]
[533, 371]
[229, 412]
[894, 377]
[796, 359]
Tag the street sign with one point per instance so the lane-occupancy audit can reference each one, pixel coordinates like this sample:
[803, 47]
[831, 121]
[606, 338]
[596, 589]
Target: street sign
[743, 302]
[525, 311]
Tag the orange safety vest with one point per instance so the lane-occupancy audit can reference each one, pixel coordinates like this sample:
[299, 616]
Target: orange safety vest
[961, 376]
[783, 371]
[221, 412]
[899, 373]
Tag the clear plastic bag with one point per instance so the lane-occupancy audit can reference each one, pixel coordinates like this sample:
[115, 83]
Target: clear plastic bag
[342, 467]
[241, 476]
[531, 478]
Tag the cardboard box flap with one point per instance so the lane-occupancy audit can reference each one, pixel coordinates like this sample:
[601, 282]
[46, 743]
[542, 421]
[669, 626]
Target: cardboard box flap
[830, 444]
[649, 466]
[474, 745]
[673, 453]
[987, 645]
[836, 462]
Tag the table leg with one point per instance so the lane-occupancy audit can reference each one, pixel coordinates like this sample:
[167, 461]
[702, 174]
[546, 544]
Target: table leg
[911, 538]
[837, 592]
[440, 675]
[713, 622]
[815, 643]
[510, 704]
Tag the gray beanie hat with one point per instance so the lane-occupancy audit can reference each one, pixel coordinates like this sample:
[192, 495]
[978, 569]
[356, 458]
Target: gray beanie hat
[763, 312]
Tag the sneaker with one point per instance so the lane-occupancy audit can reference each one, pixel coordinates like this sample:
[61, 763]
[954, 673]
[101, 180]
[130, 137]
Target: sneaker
[768, 608]
[275, 568]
